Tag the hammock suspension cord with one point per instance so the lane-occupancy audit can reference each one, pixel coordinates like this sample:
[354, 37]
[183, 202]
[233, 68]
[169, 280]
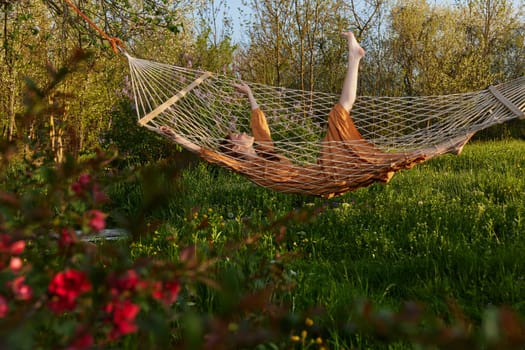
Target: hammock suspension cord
[116, 44]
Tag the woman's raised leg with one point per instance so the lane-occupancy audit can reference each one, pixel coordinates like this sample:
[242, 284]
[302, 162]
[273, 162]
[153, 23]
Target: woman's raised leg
[349, 91]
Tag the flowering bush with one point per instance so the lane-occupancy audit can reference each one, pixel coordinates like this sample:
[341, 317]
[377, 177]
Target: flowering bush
[51, 275]
[58, 289]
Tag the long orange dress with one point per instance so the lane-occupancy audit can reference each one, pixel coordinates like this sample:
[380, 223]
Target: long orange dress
[346, 162]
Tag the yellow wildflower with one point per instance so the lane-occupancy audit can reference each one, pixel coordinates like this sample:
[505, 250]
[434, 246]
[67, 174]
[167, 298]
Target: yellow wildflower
[295, 338]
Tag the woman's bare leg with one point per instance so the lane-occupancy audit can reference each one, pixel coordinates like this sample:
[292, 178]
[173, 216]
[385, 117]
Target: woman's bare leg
[349, 91]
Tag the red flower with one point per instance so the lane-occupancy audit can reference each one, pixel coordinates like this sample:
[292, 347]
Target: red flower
[98, 195]
[83, 340]
[17, 247]
[123, 313]
[82, 184]
[96, 220]
[77, 188]
[65, 287]
[166, 292]
[84, 179]
[21, 290]
[129, 281]
[67, 238]
[3, 306]
[5, 241]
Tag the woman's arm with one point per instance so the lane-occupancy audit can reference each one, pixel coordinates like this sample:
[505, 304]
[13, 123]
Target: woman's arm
[243, 88]
[261, 131]
[184, 142]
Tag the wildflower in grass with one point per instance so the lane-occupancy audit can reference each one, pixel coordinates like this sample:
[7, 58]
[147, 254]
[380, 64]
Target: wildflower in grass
[21, 290]
[295, 338]
[3, 306]
[123, 313]
[96, 220]
[64, 289]
[166, 292]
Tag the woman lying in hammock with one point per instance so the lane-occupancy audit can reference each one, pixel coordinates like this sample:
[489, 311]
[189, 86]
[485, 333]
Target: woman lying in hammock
[346, 161]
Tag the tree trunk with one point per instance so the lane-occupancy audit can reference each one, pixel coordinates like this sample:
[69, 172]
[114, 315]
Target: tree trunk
[11, 129]
[8, 58]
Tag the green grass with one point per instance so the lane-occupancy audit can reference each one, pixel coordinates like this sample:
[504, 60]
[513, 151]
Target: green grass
[452, 229]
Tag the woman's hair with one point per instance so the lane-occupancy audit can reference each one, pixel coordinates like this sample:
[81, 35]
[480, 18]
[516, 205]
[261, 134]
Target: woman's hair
[226, 147]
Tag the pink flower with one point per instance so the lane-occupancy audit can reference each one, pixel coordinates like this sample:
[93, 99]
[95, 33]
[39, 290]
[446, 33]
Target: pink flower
[96, 220]
[3, 306]
[64, 289]
[15, 264]
[123, 313]
[166, 292]
[21, 290]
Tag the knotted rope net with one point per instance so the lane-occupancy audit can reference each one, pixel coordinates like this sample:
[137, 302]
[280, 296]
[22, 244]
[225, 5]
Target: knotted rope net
[204, 107]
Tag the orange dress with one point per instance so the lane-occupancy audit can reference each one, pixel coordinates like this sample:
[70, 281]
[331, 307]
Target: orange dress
[346, 162]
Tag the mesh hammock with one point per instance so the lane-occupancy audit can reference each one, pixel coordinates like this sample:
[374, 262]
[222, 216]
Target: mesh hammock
[390, 133]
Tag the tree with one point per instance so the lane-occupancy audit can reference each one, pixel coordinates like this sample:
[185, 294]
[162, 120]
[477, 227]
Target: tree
[213, 48]
[16, 21]
[301, 43]
[453, 49]
[35, 36]
[496, 32]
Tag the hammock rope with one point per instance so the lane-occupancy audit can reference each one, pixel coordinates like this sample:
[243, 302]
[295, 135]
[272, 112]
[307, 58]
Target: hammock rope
[203, 108]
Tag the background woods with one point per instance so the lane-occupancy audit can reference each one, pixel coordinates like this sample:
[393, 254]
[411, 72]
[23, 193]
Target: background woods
[413, 47]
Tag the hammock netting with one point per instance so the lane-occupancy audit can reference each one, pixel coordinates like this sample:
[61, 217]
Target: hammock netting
[203, 107]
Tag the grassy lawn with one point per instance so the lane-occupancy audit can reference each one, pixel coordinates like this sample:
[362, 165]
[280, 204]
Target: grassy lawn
[449, 233]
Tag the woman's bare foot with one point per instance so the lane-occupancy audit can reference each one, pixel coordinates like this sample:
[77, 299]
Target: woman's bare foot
[354, 49]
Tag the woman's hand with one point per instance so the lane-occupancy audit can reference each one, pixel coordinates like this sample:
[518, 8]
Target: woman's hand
[243, 88]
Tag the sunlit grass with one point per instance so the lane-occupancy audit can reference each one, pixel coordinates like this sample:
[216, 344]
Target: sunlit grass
[448, 231]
